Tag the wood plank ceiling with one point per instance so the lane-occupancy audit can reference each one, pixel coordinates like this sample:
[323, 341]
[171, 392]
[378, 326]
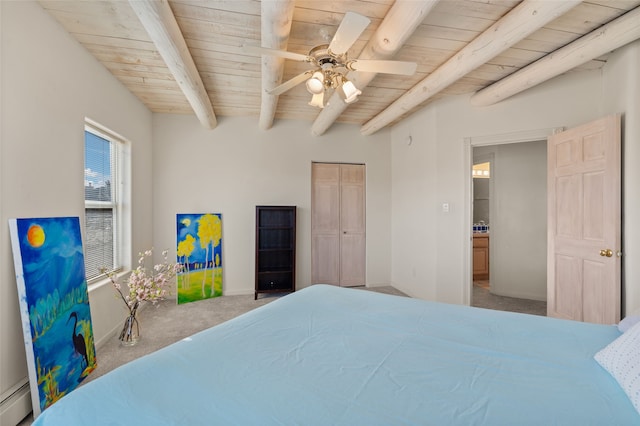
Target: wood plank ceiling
[508, 43]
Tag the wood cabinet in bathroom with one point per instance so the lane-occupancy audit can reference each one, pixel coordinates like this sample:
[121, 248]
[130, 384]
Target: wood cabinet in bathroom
[480, 256]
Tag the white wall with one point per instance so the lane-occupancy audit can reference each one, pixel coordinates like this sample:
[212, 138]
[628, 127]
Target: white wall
[621, 86]
[49, 84]
[438, 133]
[414, 218]
[235, 167]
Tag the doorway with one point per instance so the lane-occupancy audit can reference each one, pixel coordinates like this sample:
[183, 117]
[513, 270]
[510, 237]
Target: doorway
[515, 219]
[583, 279]
[482, 191]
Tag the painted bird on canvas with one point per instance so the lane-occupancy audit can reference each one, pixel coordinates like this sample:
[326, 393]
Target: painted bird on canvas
[78, 340]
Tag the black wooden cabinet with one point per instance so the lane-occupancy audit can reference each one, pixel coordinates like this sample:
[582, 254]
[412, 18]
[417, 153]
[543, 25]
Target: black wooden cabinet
[275, 249]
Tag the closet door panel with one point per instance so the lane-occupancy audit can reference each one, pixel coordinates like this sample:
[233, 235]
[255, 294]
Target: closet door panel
[352, 225]
[338, 224]
[352, 263]
[325, 224]
[325, 264]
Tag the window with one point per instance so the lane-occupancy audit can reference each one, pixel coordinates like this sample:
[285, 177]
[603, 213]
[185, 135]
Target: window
[103, 224]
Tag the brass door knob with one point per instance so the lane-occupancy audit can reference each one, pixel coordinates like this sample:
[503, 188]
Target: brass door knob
[606, 252]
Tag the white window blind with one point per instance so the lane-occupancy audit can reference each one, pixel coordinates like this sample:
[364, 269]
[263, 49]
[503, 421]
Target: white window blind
[101, 203]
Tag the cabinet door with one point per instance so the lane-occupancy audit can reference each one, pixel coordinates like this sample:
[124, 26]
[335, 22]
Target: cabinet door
[480, 261]
[480, 257]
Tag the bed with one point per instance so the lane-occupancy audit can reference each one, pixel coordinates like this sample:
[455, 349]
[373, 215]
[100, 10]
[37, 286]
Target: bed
[327, 356]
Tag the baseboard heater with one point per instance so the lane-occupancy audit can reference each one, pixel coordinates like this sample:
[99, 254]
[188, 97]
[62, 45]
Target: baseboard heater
[15, 404]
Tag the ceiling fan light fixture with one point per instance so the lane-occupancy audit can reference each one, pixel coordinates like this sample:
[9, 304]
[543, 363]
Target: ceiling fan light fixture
[315, 85]
[331, 64]
[349, 92]
[317, 100]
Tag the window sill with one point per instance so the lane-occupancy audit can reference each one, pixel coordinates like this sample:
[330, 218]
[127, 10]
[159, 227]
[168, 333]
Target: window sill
[95, 285]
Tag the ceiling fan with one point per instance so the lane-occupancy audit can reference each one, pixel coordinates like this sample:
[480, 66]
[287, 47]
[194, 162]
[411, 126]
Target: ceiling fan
[331, 63]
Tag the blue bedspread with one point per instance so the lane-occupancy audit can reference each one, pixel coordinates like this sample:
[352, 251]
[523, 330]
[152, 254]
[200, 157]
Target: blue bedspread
[326, 355]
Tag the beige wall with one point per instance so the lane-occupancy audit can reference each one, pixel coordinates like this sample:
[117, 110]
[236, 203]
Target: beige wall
[414, 214]
[437, 247]
[48, 84]
[621, 86]
[438, 244]
[237, 166]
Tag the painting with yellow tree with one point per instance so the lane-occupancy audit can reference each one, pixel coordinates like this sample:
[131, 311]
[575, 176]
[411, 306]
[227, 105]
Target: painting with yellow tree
[199, 250]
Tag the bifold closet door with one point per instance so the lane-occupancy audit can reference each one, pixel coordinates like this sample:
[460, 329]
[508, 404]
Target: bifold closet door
[338, 224]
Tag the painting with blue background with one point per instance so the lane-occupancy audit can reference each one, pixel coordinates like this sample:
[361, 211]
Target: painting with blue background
[53, 293]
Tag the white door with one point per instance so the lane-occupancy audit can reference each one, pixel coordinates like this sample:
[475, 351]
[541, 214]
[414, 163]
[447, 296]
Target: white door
[338, 224]
[584, 223]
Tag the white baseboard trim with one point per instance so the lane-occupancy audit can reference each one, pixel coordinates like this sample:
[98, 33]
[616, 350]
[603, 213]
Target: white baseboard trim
[519, 295]
[17, 406]
[107, 337]
[238, 292]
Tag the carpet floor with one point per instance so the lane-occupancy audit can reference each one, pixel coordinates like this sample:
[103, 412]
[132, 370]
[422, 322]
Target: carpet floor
[483, 298]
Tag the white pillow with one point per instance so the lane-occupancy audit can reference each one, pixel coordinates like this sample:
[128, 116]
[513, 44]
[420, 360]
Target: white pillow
[621, 358]
[628, 322]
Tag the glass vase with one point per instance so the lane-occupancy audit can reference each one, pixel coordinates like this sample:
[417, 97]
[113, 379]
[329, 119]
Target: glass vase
[130, 333]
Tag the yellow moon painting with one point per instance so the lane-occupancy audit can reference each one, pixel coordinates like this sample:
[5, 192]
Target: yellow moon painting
[35, 235]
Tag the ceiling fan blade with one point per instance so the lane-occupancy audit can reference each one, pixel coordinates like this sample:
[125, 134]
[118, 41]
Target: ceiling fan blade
[387, 67]
[290, 84]
[275, 52]
[352, 25]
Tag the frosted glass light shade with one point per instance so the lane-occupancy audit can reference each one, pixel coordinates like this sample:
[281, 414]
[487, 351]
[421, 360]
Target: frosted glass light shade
[315, 84]
[317, 100]
[350, 92]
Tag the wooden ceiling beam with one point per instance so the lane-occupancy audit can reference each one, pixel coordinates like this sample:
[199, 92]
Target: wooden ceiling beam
[161, 25]
[277, 16]
[520, 22]
[608, 37]
[397, 26]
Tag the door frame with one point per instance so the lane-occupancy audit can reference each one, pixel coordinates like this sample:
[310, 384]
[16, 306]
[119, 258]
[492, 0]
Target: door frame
[484, 158]
[477, 141]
